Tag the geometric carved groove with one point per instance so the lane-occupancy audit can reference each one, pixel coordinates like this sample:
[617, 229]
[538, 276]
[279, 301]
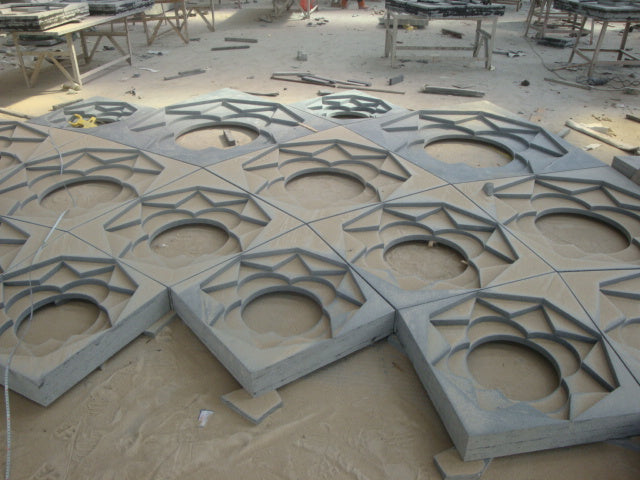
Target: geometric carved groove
[575, 351]
[479, 240]
[234, 213]
[371, 167]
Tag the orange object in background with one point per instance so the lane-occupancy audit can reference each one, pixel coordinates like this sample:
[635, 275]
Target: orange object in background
[304, 4]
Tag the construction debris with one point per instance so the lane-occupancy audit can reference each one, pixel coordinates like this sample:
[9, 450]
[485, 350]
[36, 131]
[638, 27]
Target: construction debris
[240, 39]
[65, 104]
[228, 138]
[230, 47]
[452, 91]
[632, 117]
[568, 84]
[396, 79]
[452, 33]
[579, 127]
[14, 114]
[186, 73]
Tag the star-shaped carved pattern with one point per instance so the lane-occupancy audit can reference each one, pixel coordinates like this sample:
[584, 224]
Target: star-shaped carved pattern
[574, 349]
[479, 240]
[372, 167]
[328, 282]
[349, 104]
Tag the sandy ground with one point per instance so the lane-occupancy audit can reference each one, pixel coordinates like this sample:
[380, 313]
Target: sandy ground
[364, 417]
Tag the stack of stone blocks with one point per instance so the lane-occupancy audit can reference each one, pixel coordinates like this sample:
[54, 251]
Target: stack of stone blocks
[580, 310]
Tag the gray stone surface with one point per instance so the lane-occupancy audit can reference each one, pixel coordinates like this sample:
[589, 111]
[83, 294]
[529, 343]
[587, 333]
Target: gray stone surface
[270, 121]
[112, 7]
[628, 165]
[533, 149]
[596, 399]
[444, 8]
[577, 308]
[212, 304]
[68, 269]
[35, 17]
[348, 107]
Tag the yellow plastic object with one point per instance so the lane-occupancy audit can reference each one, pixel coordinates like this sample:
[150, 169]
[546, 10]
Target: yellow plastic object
[80, 122]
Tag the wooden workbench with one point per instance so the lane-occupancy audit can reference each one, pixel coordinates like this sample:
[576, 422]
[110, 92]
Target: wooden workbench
[606, 14]
[401, 10]
[85, 28]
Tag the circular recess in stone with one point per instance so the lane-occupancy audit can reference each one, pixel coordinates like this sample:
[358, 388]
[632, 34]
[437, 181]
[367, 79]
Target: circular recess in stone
[219, 135]
[284, 313]
[587, 233]
[518, 371]
[59, 321]
[472, 152]
[350, 115]
[191, 239]
[428, 260]
[85, 194]
[320, 189]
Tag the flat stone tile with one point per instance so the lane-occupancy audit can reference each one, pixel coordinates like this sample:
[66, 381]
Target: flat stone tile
[347, 107]
[451, 246]
[254, 409]
[344, 170]
[188, 226]
[270, 122]
[340, 314]
[595, 399]
[587, 198]
[531, 148]
[612, 300]
[48, 358]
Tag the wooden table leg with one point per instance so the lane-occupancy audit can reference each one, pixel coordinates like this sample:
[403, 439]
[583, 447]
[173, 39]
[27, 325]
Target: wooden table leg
[575, 45]
[74, 59]
[596, 51]
[394, 37]
[23, 69]
[476, 45]
[387, 35]
[492, 40]
[623, 42]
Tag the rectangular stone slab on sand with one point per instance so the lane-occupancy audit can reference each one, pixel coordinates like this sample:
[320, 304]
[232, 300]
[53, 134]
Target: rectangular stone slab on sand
[254, 409]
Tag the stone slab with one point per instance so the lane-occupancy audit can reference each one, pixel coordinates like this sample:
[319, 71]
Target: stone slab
[628, 165]
[254, 409]
[234, 220]
[616, 11]
[72, 177]
[271, 123]
[444, 8]
[441, 217]
[112, 7]
[596, 399]
[349, 106]
[532, 148]
[451, 466]
[601, 194]
[40, 16]
[127, 302]
[212, 304]
[380, 174]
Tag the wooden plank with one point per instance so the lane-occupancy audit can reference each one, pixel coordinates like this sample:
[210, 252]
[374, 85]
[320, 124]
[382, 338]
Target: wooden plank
[602, 137]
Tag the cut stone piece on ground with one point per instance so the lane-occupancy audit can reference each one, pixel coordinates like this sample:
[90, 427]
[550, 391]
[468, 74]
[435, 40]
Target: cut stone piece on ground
[451, 466]
[254, 409]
